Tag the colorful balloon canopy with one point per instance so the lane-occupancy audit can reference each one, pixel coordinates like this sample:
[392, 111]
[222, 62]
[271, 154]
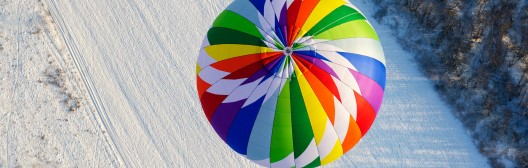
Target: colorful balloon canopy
[291, 82]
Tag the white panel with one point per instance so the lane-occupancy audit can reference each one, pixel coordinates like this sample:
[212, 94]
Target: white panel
[345, 76]
[269, 36]
[342, 119]
[270, 43]
[288, 71]
[337, 59]
[242, 91]
[303, 39]
[267, 30]
[204, 60]
[205, 43]
[225, 86]
[211, 75]
[269, 15]
[363, 46]
[276, 86]
[261, 90]
[265, 162]
[327, 47]
[308, 156]
[277, 7]
[289, 161]
[328, 141]
[347, 97]
[313, 42]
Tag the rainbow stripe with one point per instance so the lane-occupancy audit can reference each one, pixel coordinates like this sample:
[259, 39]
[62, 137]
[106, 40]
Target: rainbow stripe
[291, 82]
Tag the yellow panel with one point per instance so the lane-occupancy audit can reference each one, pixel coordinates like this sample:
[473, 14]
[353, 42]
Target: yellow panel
[198, 68]
[316, 113]
[334, 154]
[225, 51]
[320, 11]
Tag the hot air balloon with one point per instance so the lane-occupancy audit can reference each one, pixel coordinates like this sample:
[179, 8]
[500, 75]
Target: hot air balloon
[291, 82]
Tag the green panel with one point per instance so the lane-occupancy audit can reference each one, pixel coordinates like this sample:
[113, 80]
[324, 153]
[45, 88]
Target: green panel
[221, 35]
[339, 16]
[278, 45]
[302, 129]
[352, 29]
[286, 63]
[315, 163]
[232, 20]
[282, 139]
[298, 45]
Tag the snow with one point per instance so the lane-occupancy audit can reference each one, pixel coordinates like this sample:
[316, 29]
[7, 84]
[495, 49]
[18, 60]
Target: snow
[127, 68]
[44, 119]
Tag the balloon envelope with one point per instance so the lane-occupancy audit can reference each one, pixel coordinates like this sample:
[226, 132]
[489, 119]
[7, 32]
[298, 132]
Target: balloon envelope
[291, 82]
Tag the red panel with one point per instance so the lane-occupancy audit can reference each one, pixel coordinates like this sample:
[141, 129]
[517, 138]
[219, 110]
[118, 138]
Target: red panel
[210, 102]
[366, 114]
[293, 11]
[236, 63]
[249, 69]
[270, 58]
[305, 10]
[201, 86]
[327, 80]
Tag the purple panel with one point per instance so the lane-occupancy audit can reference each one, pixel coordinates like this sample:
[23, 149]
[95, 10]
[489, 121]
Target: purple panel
[259, 74]
[270, 65]
[319, 63]
[224, 116]
[370, 90]
[284, 21]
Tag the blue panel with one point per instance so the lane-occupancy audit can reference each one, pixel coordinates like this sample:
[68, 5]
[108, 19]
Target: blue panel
[279, 32]
[245, 9]
[259, 4]
[275, 68]
[241, 127]
[368, 66]
[311, 54]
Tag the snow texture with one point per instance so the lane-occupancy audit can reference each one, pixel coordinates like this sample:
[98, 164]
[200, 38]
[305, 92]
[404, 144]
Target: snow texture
[112, 84]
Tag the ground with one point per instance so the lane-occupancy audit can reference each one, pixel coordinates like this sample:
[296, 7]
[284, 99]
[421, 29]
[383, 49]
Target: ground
[45, 117]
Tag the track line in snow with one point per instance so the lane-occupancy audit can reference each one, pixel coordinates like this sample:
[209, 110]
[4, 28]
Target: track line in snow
[52, 36]
[17, 75]
[98, 111]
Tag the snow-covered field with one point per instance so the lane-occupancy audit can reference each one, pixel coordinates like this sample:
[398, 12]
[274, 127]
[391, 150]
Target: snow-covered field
[111, 84]
[45, 119]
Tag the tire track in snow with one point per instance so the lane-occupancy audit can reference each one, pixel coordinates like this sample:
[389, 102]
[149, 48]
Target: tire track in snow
[17, 75]
[51, 36]
[98, 111]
